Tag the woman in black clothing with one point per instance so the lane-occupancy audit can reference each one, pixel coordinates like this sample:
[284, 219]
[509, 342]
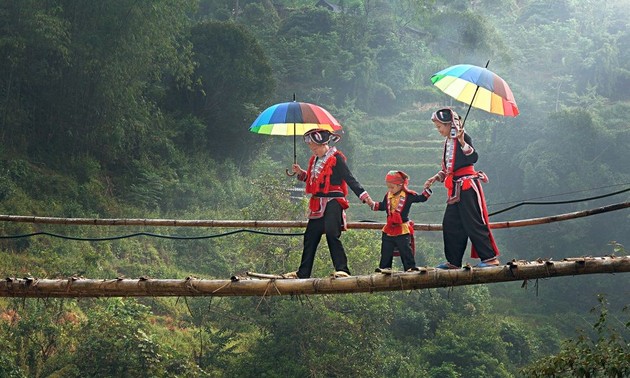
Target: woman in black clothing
[466, 215]
[327, 180]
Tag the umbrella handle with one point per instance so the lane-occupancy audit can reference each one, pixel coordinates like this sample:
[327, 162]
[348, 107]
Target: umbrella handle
[289, 174]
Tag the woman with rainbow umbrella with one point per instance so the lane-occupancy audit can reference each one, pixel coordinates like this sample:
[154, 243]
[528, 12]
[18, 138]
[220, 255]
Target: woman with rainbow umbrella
[466, 214]
[327, 178]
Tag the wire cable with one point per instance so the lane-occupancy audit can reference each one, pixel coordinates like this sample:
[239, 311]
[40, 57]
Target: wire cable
[202, 237]
[175, 237]
[557, 202]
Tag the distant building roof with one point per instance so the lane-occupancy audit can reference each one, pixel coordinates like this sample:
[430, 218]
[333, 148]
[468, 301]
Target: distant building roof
[327, 4]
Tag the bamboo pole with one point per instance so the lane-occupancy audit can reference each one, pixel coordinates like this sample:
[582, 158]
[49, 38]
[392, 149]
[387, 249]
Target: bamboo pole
[289, 224]
[239, 286]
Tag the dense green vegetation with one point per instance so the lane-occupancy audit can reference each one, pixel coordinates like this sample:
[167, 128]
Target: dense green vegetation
[141, 110]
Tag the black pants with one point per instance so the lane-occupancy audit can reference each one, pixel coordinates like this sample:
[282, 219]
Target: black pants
[330, 224]
[403, 242]
[463, 220]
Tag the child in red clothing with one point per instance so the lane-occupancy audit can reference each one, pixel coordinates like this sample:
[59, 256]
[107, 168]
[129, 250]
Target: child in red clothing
[398, 231]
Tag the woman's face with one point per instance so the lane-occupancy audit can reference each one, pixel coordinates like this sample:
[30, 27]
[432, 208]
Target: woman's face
[443, 128]
[318, 150]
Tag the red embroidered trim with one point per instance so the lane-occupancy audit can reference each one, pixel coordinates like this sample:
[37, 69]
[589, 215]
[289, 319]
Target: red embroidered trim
[324, 177]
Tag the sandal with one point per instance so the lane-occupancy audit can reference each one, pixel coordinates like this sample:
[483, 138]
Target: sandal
[446, 266]
[340, 274]
[488, 264]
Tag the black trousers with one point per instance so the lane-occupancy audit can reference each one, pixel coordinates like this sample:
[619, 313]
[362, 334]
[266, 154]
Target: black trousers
[403, 242]
[330, 225]
[463, 221]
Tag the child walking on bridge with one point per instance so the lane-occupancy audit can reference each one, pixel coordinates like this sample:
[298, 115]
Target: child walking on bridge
[398, 231]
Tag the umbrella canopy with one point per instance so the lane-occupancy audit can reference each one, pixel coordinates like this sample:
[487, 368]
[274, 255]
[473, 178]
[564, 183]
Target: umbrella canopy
[477, 87]
[294, 118]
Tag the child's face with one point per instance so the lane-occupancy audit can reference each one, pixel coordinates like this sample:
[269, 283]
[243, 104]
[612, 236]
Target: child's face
[393, 188]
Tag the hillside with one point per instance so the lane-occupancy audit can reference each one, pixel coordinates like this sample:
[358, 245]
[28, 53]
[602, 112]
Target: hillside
[141, 110]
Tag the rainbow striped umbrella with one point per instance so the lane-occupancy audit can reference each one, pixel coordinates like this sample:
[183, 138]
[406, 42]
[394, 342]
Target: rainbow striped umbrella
[478, 87]
[294, 118]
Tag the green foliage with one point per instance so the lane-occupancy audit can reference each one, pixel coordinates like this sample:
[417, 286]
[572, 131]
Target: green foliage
[120, 350]
[606, 353]
[465, 36]
[295, 343]
[471, 347]
[8, 367]
[232, 75]
[94, 100]
[140, 109]
[39, 330]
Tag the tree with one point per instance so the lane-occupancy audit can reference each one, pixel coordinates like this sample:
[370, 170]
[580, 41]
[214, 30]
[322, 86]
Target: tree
[41, 334]
[326, 338]
[603, 352]
[85, 76]
[231, 80]
[116, 342]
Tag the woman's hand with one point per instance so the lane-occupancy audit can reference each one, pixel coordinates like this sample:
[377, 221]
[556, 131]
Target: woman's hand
[460, 137]
[370, 202]
[430, 181]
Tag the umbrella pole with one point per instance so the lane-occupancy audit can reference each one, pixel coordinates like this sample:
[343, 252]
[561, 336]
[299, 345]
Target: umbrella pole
[294, 151]
[469, 106]
[473, 100]
[294, 131]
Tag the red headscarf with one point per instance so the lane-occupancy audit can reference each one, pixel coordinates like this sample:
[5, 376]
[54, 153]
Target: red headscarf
[398, 178]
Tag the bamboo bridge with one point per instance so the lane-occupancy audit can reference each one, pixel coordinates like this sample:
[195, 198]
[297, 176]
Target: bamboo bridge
[245, 285]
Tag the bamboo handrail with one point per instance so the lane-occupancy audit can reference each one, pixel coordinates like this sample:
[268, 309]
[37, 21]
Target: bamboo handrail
[290, 224]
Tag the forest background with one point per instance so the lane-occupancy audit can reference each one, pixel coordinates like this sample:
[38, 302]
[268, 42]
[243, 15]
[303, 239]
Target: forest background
[141, 109]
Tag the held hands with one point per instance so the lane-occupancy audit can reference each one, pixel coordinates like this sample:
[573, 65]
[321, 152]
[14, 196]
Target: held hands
[365, 198]
[430, 181]
[369, 202]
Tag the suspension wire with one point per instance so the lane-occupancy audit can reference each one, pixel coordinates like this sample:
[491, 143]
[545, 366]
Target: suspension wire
[527, 202]
[565, 193]
[557, 202]
[175, 237]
